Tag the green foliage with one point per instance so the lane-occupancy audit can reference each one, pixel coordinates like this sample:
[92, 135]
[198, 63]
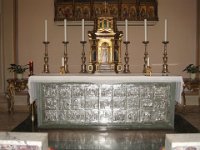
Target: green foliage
[18, 68]
[191, 68]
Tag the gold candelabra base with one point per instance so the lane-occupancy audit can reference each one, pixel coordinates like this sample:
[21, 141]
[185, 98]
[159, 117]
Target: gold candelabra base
[165, 70]
[148, 71]
[83, 58]
[126, 58]
[46, 58]
[146, 58]
[66, 70]
[62, 70]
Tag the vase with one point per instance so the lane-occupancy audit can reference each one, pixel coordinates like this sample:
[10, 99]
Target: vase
[19, 76]
[192, 76]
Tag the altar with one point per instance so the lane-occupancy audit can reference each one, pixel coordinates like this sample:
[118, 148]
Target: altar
[105, 101]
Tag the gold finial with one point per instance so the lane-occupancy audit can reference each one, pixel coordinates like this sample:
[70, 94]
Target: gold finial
[105, 4]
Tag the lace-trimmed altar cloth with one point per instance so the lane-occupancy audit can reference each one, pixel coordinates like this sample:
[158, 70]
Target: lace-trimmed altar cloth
[107, 78]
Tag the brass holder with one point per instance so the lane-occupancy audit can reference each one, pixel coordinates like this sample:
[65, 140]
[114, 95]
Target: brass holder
[126, 58]
[148, 71]
[165, 70]
[146, 68]
[46, 58]
[62, 70]
[83, 58]
[65, 57]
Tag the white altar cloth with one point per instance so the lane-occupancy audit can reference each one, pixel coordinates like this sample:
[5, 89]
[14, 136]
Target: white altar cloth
[101, 78]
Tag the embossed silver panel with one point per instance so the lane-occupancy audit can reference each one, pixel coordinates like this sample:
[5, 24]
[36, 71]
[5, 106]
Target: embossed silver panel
[122, 105]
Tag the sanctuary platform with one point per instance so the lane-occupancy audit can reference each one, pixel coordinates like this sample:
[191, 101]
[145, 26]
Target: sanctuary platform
[123, 139]
[105, 101]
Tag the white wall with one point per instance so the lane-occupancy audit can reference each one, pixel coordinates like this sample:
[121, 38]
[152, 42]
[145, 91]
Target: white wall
[181, 15]
[1, 51]
[7, 41]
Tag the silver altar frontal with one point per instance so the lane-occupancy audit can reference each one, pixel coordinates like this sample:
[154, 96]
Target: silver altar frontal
[116, 101]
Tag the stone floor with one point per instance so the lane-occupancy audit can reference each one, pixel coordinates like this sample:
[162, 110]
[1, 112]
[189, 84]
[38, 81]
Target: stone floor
[191, 114]
[9, 121]
[98, 140]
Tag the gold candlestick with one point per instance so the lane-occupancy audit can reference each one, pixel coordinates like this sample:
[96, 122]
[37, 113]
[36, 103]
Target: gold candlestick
[147, 67]
[165, 70]
[46, 58]
[65, 57]
[126, 58]
[83, 58]
[148, 71]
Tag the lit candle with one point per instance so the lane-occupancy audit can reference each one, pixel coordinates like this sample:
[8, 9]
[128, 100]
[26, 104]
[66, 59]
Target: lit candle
[65, 30]
[62, 61]
[45, 32]
[145, 30]
[83, 34]
[126, 29]
[165, 30]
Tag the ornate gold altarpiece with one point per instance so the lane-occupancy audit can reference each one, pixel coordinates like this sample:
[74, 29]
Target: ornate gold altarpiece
[133, 10]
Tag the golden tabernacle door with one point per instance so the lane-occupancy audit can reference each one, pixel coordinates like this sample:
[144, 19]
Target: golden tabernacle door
[105, 46]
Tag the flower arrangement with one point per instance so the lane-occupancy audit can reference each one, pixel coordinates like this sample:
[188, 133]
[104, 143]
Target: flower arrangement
[18, 68]
[191, 68]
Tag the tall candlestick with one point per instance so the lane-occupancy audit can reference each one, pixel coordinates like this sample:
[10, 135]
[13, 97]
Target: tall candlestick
[145, 29]
[126, 29]
[65, 30]
[165, 30]
[83, 28]
[45, 30]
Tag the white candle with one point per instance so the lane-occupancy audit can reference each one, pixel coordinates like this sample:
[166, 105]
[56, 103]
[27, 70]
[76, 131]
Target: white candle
[62, 61]
[83, 34]
[65, 30]
[148, 61]
[45, 30]
[165, 30]
[145, 30]
[126, 29]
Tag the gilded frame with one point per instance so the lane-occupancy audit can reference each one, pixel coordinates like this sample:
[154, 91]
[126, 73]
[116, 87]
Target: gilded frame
[133, 10]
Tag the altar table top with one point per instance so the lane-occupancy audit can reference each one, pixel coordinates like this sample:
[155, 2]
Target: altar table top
[107, 78]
